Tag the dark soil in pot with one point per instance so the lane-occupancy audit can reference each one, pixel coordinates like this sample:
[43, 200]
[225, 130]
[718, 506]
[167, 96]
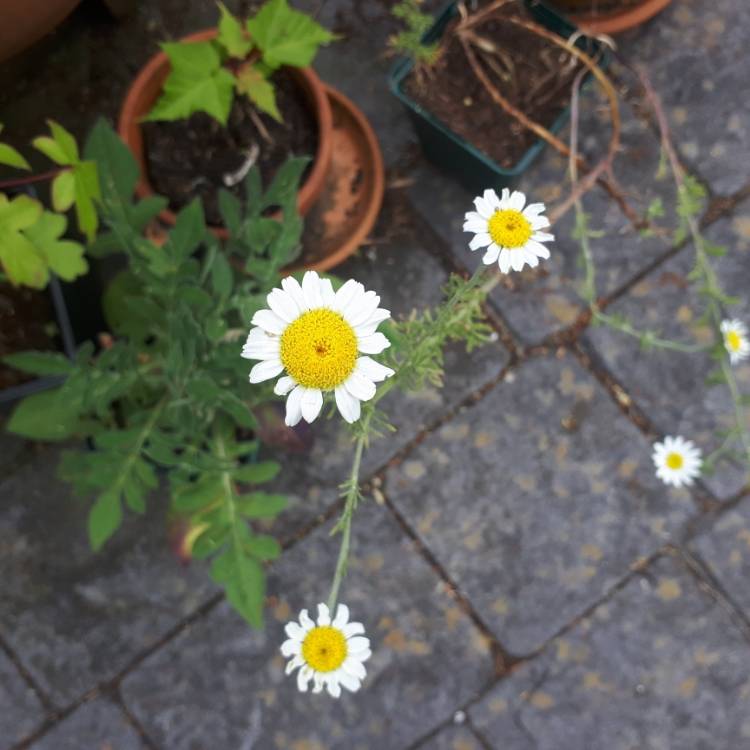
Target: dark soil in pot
[25, 323]
[530, 72]
[189, 158]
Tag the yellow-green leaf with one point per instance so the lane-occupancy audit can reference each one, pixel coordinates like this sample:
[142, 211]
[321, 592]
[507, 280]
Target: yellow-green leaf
[231, 35]
[63, 191]
[253, 84]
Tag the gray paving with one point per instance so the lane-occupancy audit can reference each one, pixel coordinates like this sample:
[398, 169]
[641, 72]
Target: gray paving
[557, 596]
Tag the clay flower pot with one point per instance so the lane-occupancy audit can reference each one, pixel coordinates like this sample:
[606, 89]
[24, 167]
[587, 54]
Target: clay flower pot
[609, 16]
[147, 87]
[22, 22]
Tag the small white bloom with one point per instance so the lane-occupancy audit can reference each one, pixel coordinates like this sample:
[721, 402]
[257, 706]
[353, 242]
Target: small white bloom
[735, 340]
[677, 461]
[510, 232]
[315, 335]
[331, 653]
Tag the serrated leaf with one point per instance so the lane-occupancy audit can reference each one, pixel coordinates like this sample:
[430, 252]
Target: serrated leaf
[286, 36]
[258, 473]
[189, 498]
[196, 83]
[254, 85]
[188, 230]
[244, 581]
[40, 363]
[231, 35]
[105, 518]
[43, 416]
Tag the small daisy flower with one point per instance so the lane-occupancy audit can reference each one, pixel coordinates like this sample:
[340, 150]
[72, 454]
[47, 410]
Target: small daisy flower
[677, 461]
[510, 232]
[315, 336]
[331, 653]
[735, 339]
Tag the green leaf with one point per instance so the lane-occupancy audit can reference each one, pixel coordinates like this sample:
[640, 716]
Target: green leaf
[253, 84]
[12, 158]
[286, 36]
[263, 547]
[64, 257]
[222, 276]
[18, 256]
[63, 190]
[105, 518]
[87, 190]
[117, 167]
[244, 581]
[65, 141]
[258, 473]
[196, 83]
[231, 35]
[261, 505]
[39, 363]
[52, 150]
[188, 230]
[44, 416]
[194, 496]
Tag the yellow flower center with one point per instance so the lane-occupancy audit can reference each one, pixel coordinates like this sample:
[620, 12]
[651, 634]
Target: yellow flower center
[324, 648]
[509, 228]
[674, 461]
[319, 349]
[734, 341]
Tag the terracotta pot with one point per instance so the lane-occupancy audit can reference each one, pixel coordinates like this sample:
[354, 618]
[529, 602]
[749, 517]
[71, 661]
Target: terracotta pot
[147, 87]
[609, 16]
[22, 22]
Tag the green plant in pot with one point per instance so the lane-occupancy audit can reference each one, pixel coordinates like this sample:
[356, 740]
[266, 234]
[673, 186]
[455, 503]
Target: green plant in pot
[209, 107]
[168, 391]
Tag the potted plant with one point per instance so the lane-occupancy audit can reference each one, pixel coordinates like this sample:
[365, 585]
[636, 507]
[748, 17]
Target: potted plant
[457, 71]
[39, 306]
[608, 16]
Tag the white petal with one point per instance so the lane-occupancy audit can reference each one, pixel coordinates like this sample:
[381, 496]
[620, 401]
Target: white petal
[543, 237]
[484, 209]
[373, 370]
[311, 290]
[529, 257]
[346, 293]
[355, 668]
[371, 324]
[357, 644]
[269, 368]
[538, 222]
[311, 403]
[353, 628]
[476, 225]
[327, 293]
[358, 313]
[269, 350]
[493, 251]
[306, 621]
[533, 209]
[333, 687]
[350, 682]
[348, 406]
[303, 677]
[282, 305]
[342, 616]
[504, 260]
[284, 385]
[269, 321]
[292, 664]
[373, 344]
[504, 197]
[482, 239]
[291, 647]
[360, 386]
[294, 630]
[324, 616]
[491, 197]
[538, 249]
[516, 259]
[516, 201]
[293, 406]
[292, 287]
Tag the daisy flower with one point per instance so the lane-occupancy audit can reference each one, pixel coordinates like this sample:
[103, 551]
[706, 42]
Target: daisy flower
[677, 461]
[331, 653]
[315, 335]
[510, 232]
[735, 339]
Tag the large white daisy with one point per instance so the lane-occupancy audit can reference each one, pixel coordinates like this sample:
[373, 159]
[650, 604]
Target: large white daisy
[677, 461]
[315, 336]
[510, 232]
[331, 653]
[735, 339]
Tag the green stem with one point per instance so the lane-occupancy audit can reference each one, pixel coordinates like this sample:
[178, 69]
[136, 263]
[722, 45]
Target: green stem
[655, 341]
[345, 523]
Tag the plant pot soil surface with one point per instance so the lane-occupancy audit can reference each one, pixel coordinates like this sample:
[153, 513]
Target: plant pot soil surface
[188, 158]
[533, 74]
[25, 323]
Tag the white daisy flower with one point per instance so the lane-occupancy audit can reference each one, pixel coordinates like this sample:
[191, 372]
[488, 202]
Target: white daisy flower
[510, 232]
[315, 335]
[677, 461]
[735, 339]
[331, 654]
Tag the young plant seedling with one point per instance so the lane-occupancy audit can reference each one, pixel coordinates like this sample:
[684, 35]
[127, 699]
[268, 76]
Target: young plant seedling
[409, 42]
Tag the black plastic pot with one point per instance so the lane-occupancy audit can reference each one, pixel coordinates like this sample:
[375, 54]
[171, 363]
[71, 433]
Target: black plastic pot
[449, 151]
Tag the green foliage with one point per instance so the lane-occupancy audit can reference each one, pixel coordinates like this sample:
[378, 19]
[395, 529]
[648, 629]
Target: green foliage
[409, 42]
[10, 157]
[204, 76]
[171, 392]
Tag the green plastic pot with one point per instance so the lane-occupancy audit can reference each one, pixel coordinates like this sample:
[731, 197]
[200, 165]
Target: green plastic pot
[449, 151]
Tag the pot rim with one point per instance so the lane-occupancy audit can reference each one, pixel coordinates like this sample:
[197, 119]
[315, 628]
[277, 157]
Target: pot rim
[138, 101]
[620, 21]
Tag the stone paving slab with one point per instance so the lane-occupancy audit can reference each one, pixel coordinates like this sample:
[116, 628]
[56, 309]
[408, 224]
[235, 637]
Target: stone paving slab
[20, 709]
[537, 499]
[220, 684]
[452, 738]
[696, 56]
[670, 386]
[541, 301]
[74, 617]
[99, 725]
[726, 549]
[660, 666]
